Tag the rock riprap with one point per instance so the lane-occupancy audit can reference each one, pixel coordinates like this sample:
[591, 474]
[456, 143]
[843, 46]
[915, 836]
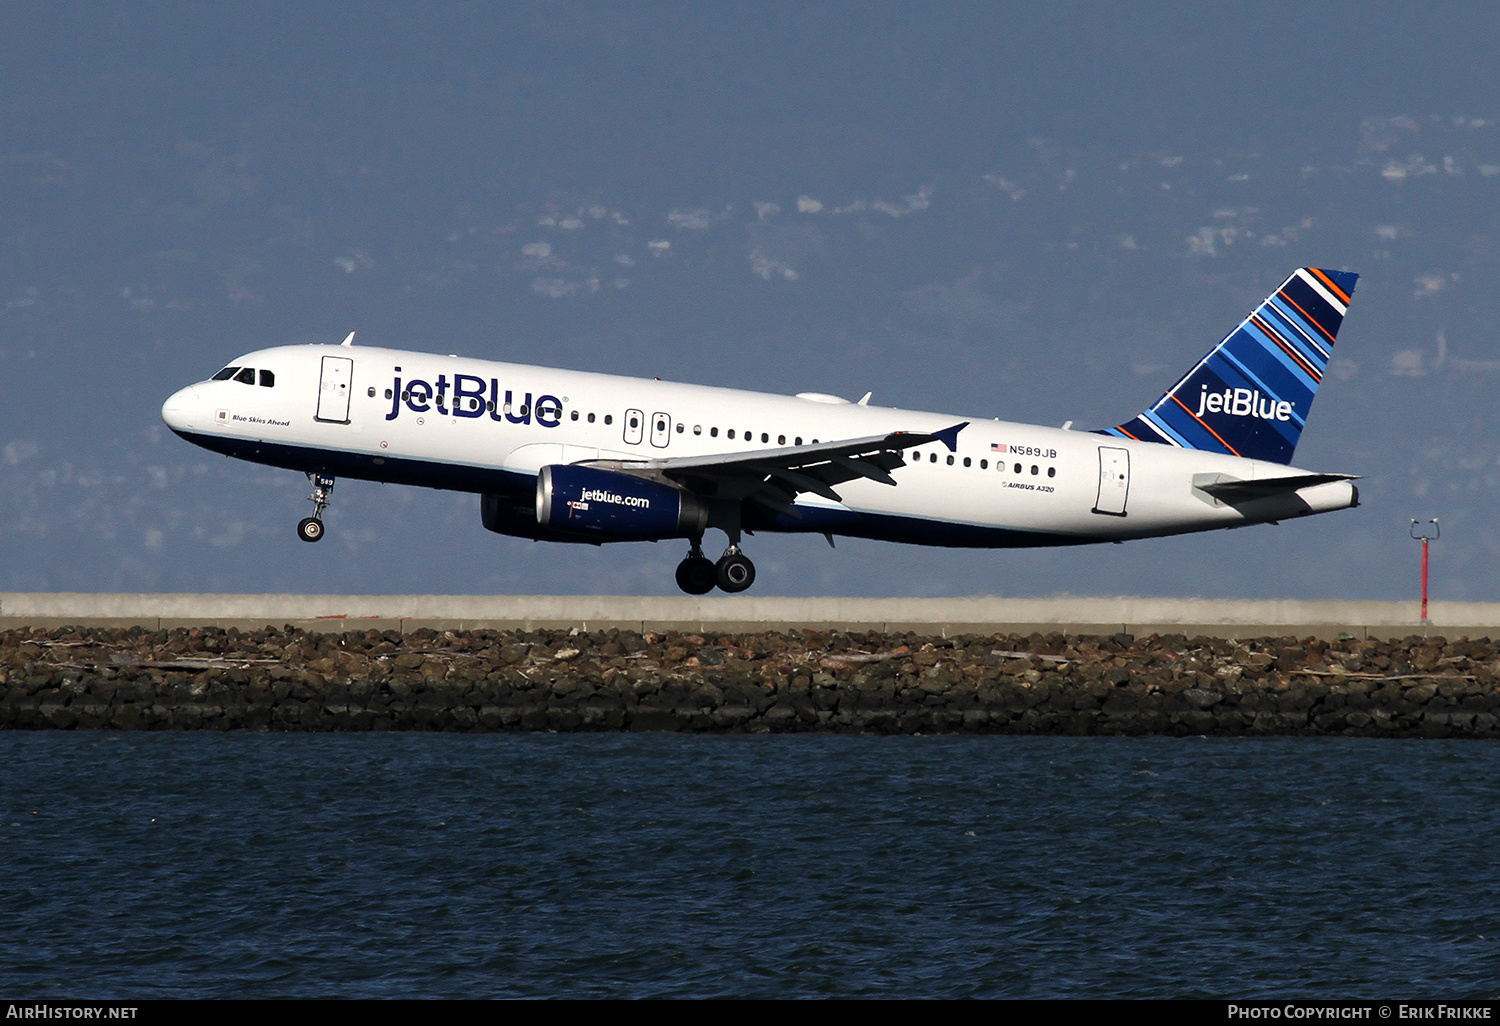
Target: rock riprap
[829, 681]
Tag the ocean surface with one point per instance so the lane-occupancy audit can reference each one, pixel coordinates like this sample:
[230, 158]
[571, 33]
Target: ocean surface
[140, 865]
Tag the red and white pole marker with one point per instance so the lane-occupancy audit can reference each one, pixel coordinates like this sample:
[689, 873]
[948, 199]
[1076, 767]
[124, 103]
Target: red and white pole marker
[1424, 533]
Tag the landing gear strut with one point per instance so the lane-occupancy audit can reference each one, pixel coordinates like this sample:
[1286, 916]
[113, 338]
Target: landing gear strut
[310, 529]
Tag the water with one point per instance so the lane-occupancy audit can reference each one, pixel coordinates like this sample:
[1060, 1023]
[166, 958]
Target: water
[420, 865]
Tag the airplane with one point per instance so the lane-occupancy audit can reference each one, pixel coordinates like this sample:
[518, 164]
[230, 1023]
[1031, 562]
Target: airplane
[573, 456]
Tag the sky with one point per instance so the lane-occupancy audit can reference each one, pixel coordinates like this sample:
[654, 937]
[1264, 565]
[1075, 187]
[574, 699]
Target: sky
[1039, 212]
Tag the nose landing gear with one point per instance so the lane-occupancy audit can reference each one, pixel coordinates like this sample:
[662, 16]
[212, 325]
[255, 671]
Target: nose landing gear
[310, 529]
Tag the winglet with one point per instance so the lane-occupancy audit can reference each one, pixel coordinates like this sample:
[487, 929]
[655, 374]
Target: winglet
[949, 435]
[348, 341]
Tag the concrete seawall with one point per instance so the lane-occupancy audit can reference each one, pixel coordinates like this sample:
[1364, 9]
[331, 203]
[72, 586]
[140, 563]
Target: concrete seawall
[941, 617]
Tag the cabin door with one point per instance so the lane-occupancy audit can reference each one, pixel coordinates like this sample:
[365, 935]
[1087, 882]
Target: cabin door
[333, 389]
[1114, 481]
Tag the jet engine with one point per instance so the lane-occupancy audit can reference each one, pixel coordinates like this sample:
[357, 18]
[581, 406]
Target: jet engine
[606, 504]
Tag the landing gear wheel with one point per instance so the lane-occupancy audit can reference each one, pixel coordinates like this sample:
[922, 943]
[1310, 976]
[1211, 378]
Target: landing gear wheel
[735, 572]
[310, 529]
[697, 575]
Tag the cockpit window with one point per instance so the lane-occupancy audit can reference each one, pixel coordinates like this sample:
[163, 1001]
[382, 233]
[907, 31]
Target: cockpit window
[225, 374]
[267, 379]
[247, 376]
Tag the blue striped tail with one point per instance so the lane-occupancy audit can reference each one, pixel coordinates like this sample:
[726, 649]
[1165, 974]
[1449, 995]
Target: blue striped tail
[1251, 395]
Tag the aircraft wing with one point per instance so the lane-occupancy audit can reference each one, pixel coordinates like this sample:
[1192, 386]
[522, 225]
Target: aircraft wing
[775, 477]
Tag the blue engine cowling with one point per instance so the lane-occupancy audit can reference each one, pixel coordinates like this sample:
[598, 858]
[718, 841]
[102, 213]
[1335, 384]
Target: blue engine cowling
[603, 503]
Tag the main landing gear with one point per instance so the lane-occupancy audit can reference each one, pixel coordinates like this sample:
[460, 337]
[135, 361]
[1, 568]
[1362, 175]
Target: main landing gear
[310, 529]
[698, 575]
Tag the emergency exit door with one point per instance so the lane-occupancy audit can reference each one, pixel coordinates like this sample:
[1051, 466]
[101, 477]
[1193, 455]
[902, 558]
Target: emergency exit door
[661, 430]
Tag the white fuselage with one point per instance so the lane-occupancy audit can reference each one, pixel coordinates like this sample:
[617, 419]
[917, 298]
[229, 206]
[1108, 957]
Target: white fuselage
[375, 414]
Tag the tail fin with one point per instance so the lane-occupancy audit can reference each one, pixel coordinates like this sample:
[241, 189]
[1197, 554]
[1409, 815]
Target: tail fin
[1250, 396]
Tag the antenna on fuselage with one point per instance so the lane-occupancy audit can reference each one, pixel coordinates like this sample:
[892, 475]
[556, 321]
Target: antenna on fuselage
[349, 341]
[864, 399]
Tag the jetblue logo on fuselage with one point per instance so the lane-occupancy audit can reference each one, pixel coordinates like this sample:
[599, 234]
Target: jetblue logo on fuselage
[472, 397]
[1243, 402]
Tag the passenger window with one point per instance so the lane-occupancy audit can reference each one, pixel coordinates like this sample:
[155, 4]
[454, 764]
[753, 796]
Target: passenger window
[388, 393]
[781, 439]
[713, 432]
[764, 437]
[679, 427]
[609, 418]
[246, 376]
[950, 461]
[575, 414]
[730, 433]
[799, 440]
[1018, 468]
[697, 429]
[268, 380]
[225, 374]
[591, 418]
[968, 462]
[932, 457]
[984, 464]
[1051, 471]
[634, 422]
[1033, 470]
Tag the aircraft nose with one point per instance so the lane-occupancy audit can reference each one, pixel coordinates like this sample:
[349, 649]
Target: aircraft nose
[179, 409]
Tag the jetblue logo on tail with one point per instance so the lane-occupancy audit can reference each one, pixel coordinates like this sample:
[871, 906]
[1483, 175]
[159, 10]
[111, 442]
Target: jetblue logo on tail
[1251, 394]
[1242, 402]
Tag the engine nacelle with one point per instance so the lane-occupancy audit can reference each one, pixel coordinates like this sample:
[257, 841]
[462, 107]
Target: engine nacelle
[508, 514]
[607, 504]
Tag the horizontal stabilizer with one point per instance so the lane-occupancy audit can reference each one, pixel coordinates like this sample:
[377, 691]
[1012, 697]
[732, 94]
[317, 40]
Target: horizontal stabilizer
[1228, 490]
